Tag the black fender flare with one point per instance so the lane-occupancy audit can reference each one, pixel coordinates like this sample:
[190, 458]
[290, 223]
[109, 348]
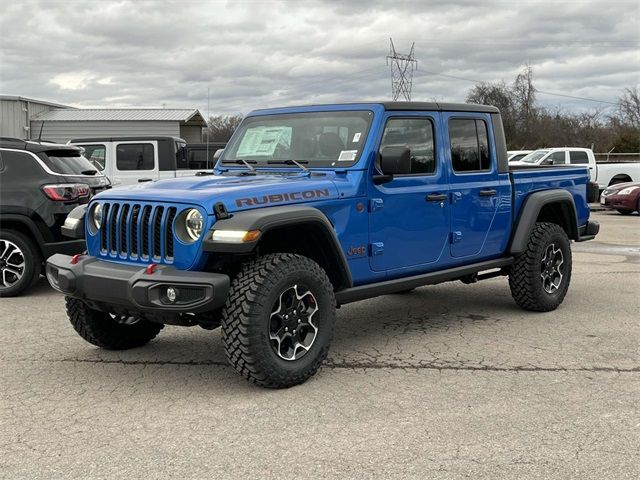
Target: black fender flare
[531, 209]
[270, 218]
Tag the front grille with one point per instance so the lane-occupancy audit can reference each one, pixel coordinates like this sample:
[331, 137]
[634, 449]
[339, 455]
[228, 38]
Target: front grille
[137, 231]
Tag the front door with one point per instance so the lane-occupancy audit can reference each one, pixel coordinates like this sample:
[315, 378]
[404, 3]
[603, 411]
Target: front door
[409, 224]
[476, 189]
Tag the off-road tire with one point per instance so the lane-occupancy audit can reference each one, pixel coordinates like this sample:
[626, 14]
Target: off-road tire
[101, 330]
[32, 263]
[525, 276]
[246, 317]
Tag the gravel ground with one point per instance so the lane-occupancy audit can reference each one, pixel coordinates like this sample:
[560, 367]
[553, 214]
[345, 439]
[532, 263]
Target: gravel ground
[450, 381]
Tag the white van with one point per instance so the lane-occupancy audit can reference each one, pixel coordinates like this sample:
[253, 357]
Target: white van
[129, 160]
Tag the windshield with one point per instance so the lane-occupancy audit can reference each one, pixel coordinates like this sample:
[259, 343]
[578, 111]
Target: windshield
[68, 163]
[319, 139]
[533, 157]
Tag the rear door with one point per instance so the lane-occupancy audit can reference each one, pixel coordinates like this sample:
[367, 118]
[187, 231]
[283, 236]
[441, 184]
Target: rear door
[135, 161]
[476, 187]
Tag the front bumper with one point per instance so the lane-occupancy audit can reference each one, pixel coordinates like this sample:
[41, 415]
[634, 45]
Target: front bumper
[127, 288]
[618, 202]
[69, 247]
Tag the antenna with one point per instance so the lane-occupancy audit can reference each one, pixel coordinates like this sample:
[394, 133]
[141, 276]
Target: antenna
[402, 67]
[207, 130]
[40, 134]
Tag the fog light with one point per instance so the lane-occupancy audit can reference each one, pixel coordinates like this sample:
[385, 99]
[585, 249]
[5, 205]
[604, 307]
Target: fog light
[172, 294]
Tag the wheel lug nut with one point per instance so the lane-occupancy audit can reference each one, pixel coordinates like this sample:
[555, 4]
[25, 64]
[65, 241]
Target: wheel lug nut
[294, 332]
[299, 320]
[286, 329]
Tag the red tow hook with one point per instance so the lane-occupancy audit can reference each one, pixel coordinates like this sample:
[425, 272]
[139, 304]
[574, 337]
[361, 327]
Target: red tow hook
[75, 258]
[151, 268]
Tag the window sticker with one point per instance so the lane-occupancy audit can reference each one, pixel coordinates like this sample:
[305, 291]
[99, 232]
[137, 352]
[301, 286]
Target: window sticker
[347, 155]
[262, 141]
[356, 137]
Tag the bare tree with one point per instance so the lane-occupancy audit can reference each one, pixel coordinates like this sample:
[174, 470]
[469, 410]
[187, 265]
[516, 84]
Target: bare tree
[629, 107]
[221, 127]
[525, 97]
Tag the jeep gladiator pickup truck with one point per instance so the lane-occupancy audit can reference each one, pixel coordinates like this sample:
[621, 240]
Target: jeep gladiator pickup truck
[310, 208]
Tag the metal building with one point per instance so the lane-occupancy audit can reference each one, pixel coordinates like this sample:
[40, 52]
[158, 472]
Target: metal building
[63, 125]
[16, 114]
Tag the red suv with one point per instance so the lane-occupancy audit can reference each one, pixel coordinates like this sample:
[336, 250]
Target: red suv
[623, 197]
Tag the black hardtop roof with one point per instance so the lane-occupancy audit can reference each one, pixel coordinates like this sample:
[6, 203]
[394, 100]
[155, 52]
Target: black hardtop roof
[440, 106]
[126, 139]
[35, 147]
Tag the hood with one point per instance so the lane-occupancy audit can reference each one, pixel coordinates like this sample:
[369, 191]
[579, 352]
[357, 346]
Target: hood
[235, 191]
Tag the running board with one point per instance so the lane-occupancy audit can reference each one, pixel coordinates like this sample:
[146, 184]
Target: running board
[362, 292]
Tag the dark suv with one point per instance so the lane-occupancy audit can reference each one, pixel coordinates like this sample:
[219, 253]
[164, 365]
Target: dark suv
[40, 183]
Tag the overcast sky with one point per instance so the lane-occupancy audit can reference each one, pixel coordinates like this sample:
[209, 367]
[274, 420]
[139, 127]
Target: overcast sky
[258, 54]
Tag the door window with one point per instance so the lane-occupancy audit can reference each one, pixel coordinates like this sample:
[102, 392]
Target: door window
[417, 135]
[469, 145]
[135, 156]
[96, 154]
[578, 158]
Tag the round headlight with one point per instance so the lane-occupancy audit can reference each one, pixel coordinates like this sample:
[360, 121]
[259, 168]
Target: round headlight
[96, 216]
[193, 223]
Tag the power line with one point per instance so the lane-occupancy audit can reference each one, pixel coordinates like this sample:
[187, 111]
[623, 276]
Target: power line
[542, 92]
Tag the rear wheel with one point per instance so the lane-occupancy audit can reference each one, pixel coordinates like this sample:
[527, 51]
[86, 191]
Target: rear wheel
[20, 263]
[111, 332]
[278, 321]
[540, 276]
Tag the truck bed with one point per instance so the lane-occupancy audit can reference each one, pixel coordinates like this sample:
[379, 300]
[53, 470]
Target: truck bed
[529, 179]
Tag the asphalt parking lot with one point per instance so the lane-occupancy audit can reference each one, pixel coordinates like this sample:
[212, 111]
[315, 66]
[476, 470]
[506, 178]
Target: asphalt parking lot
[450, 381]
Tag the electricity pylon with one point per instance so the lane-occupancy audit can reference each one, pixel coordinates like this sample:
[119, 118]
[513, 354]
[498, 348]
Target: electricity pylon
[402, 67]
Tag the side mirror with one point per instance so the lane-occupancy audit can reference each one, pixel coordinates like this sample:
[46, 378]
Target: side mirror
[395, 160]
[547, 161]
[218, 154]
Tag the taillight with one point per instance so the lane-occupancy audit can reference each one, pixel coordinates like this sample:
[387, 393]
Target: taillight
[66, 192]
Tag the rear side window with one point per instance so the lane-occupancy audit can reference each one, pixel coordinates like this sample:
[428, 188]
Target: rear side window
[417, 134]
[67, 162]
[579, 158]
[469, 145]
[135, 156]
[96, 154]
[16, 168]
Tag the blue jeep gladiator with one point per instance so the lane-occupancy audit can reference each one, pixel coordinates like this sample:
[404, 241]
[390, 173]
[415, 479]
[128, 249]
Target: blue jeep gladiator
[310, 208]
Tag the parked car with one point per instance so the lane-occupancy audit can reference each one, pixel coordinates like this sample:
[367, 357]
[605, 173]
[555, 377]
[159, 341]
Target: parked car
[516, 155]
[40, 183]
[315, 207]
[201, 156]
[623, 197]
[603, 173]
[129, 160]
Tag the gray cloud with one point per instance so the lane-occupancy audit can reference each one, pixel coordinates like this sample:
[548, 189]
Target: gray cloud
[257, 54]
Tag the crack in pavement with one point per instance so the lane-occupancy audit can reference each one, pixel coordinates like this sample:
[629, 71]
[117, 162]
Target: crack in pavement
[366, 365]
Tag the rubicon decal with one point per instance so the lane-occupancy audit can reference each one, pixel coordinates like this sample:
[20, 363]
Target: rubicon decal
[282, 197]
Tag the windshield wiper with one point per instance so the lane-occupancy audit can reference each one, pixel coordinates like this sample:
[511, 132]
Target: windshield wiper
[291, 162]
[241, 161]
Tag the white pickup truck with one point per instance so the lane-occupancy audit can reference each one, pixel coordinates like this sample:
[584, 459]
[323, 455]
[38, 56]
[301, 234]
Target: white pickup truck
[604, 174]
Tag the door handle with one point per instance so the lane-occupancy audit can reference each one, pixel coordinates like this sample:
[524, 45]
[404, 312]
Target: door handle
[143, 180]
[488, 193]
[436, 197]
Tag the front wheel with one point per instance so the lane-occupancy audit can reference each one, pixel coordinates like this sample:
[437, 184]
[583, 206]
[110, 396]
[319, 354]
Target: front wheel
[540, 276]
[625, 212]
[278, 321]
